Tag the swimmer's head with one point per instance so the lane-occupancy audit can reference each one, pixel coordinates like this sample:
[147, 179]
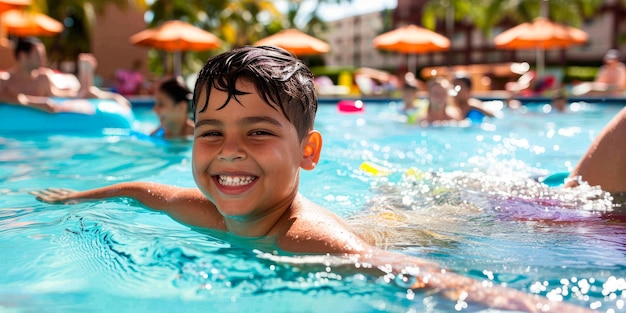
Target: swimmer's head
[611, 55]
[280, 79]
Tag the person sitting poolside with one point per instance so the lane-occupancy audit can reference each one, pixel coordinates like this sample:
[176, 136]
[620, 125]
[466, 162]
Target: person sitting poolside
[29, 82]
[172, 104]
[611, 77]
[531, 85]
[255, 110]
[613, 72]
[467, 107]
[129, 82]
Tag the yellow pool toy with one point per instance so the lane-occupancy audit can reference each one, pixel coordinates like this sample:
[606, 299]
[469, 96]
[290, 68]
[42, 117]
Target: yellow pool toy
[374, 169]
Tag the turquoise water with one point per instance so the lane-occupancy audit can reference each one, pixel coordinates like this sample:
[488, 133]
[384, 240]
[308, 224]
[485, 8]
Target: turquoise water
[461, 196]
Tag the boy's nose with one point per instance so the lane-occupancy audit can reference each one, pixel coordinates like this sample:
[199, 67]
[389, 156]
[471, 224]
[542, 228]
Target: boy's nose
[231, 151]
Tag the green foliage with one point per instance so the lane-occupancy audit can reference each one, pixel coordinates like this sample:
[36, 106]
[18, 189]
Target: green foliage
[331, 71]
[580, 73]
[486, 14]
[569, 12]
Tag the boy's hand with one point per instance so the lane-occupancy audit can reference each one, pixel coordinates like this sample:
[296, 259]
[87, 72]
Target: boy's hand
[54, 195]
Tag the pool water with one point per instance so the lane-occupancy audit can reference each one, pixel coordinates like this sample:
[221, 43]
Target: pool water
[464, 196]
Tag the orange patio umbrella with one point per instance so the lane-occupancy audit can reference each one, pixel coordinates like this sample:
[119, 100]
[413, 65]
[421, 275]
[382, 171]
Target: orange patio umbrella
[412, 39]
[296, 42]
[6, 5]
[21, 23]
[540, 35]
[176, 36]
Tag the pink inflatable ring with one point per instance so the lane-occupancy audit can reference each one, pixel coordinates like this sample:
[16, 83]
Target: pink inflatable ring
[350, 106]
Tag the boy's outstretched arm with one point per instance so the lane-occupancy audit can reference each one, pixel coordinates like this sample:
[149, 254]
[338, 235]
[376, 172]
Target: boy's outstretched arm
[186, 205]
[460, 288]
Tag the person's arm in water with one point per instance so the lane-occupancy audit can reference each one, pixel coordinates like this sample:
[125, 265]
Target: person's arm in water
[417, 274]
[604, 162]
[477, 105]
[185, 205]
[7, 95]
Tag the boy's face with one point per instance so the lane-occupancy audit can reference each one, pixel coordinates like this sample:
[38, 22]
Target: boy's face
[247, 157]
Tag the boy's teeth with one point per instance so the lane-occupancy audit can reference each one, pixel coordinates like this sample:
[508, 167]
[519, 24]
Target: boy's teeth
[235, 180]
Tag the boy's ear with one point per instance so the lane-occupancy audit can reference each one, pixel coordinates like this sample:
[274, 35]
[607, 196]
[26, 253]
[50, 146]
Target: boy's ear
[312, 150]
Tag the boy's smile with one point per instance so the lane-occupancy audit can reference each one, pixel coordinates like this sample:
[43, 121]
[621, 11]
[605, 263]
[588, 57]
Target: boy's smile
[246, 156]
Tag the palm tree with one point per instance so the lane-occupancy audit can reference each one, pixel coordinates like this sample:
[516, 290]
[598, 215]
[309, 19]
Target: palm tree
[312, 21]
[570, 12]
[488, 14]
[454, 14]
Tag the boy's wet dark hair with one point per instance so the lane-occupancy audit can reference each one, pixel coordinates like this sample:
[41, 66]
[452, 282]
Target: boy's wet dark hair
[25, 45]
[176, 89]
[280, 78]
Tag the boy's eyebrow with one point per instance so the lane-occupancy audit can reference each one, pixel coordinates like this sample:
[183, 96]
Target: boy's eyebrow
[246, 120]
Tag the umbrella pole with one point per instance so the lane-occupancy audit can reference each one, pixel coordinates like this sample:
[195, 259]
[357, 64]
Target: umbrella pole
[165, 62]
[540, 58]
[411, 63]
[177, 63]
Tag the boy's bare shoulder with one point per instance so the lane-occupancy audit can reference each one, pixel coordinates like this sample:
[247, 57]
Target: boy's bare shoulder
[191, 207]
[312, 228]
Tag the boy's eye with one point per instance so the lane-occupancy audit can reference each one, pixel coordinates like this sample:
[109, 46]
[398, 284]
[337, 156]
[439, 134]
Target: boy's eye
[260, 133]
[210, 134]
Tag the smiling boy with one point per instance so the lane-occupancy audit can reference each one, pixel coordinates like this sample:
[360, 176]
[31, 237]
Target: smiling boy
[254, 113]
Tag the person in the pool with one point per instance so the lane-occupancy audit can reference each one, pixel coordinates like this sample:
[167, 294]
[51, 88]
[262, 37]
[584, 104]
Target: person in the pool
[466, 106]
[254, 110]
[409, 92]
[29, 82]
[439, 102]
[604, 162]
[172, 104]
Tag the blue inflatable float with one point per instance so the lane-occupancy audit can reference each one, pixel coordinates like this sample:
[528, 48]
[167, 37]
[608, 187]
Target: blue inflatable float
[74, 115]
